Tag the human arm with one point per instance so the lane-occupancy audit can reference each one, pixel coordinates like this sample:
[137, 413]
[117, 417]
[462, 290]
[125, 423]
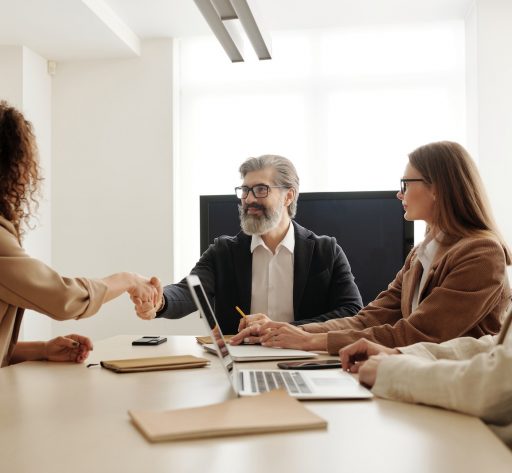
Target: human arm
[175, 300]
[457, 349]
[463, 291]
[357, 354]
[281, 335]
[144, 289]
[69, 348]
[386, 308]
[316, 336]
[479, 386]
[31, 284]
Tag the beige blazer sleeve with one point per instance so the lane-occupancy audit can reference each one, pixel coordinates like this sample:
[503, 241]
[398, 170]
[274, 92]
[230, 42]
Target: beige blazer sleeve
[30, 284]
[456, 349]
[480, 386]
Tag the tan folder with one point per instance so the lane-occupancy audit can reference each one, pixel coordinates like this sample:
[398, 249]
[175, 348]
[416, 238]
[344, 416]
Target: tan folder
[133, 365]
[207, 340]
[274, 411]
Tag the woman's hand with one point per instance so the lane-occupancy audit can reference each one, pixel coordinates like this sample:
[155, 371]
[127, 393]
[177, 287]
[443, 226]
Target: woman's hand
[145, 290]
[281, 335]
[284, 335]
[354, 356]
[368, 371]
[69, 348]
[147, 309]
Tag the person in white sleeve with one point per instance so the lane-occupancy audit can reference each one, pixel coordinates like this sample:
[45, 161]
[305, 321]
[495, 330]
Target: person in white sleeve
[469, 375]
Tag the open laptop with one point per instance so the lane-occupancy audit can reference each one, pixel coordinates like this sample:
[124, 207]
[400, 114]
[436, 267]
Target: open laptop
[322, 384]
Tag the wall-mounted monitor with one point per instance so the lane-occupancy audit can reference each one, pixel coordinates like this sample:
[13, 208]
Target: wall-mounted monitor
[369, 226]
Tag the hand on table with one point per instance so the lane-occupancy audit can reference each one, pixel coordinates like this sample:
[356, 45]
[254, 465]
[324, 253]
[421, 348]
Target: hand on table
[69, 348]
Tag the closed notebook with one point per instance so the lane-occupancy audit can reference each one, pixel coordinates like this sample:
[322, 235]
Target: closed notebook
[274, 411]
[207, 340]
[133, 365]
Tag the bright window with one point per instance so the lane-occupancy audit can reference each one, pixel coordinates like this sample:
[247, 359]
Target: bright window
[346, 106]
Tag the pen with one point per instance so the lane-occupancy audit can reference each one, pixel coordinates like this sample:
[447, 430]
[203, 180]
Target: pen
[240, 311]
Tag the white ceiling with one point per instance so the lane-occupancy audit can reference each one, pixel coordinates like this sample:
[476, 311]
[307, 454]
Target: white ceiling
[64, 30]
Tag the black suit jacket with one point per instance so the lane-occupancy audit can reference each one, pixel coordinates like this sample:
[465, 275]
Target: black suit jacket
[323, 286]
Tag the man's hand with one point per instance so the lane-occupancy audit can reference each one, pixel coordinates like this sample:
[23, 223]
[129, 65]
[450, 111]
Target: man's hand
[147, 309]
[353, 356]
[253, 319]
[69, 348]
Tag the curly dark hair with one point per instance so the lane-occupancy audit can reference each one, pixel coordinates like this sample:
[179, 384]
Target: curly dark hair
[19, 168]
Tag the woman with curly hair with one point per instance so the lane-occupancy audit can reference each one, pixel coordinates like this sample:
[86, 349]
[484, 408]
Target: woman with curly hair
[27, 283]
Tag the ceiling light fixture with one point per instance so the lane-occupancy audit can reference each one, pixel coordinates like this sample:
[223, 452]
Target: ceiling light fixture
[220, 13]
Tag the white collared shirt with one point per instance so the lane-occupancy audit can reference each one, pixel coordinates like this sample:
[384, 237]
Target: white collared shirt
[425, 253]
[272, 278]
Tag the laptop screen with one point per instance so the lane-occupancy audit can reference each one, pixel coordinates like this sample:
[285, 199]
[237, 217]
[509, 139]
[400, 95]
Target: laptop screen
[207, 312]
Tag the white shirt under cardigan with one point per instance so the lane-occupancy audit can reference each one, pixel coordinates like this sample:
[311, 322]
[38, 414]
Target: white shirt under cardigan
[272, 278]
[425, 253]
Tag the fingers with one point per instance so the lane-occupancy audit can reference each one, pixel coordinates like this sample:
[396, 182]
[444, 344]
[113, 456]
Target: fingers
[271, 325]
[353, 354]
[243, 324]
[145, 289]
[79, 353]
[271, 330]
[144, 310]
[252, 319]
[368, 372]
[247, 335]
[66, 342]
[82, 340]
[82, 354]
[157, 298]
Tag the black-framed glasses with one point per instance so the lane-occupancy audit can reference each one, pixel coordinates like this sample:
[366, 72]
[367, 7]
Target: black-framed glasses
[259, 191]
[404, 182]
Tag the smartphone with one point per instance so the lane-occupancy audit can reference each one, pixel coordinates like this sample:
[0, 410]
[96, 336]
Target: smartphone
[149, 340]
[309, 364]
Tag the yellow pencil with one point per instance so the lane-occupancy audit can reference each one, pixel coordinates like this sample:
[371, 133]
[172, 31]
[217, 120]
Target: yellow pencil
[241, 312]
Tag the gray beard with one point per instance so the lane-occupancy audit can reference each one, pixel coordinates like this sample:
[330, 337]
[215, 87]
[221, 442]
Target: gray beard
[260, 224]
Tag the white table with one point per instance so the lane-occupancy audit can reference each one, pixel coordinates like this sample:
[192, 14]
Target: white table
[58, 417]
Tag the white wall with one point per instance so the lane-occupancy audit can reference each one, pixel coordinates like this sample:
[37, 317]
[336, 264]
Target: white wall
[489, 31]
[112, 174]
[11, 75]
[25, 84]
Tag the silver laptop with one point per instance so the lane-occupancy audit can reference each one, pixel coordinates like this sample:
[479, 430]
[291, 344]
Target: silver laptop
[321, 384]
[243, 353]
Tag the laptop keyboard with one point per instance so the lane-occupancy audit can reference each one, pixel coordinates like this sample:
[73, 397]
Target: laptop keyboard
[292, 381]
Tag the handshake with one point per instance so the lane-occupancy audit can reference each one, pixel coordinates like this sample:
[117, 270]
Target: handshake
[147, 296]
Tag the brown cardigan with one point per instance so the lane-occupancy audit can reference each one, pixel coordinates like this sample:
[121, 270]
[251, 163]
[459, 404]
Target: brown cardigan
[27, 283]
[465, 294]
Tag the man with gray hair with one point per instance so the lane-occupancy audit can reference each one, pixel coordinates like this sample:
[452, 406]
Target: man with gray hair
[274, 268]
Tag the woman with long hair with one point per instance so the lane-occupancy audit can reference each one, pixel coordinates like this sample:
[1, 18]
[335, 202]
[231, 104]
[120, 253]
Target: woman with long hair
[27, 283]
[453, 284]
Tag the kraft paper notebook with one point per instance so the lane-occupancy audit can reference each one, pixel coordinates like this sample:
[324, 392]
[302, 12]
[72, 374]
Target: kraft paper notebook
[207, 340]
[274, 411]
[133, 365]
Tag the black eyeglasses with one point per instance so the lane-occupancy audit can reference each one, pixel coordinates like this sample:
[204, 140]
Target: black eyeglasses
[259, 191]
[403, 183]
